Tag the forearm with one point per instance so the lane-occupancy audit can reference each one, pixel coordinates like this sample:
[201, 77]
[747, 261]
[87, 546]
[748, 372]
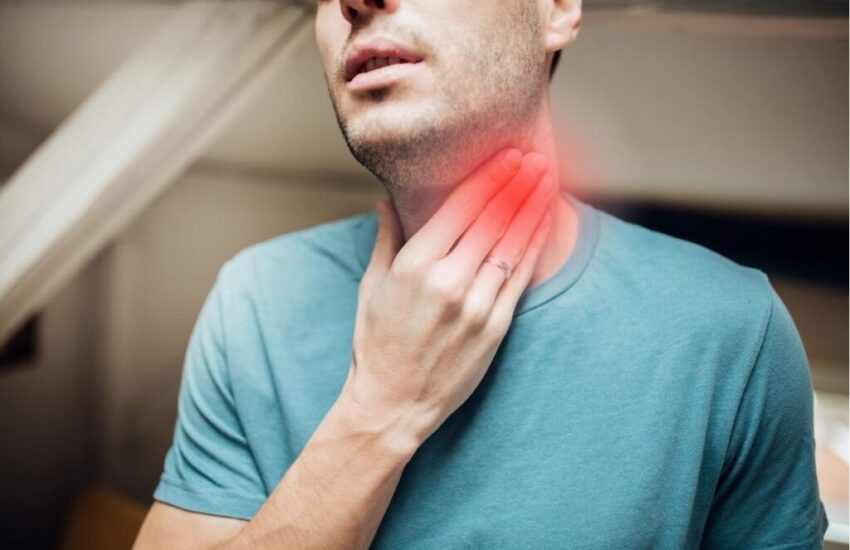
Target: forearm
[338, 490]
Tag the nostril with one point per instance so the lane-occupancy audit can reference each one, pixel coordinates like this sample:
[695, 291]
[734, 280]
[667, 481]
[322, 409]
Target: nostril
[351, 13]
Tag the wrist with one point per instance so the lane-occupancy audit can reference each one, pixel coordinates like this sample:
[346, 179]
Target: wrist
[401, 432]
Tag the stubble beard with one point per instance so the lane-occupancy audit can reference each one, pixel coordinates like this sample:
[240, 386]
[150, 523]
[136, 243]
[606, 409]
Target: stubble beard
[492, 102]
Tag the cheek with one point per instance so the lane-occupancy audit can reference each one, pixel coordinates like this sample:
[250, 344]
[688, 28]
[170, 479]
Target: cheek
[331, 31]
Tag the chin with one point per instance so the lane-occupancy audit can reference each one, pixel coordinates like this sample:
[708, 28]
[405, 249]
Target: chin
[391, 125]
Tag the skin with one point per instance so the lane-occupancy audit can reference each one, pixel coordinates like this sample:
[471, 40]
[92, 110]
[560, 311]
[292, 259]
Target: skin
[464, 147]
[484, 87]
[422, 135]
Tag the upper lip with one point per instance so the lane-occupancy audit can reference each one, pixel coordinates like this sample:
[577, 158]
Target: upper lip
[361, 52]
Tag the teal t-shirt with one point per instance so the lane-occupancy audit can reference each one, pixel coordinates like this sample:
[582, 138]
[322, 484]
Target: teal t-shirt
[650, 394]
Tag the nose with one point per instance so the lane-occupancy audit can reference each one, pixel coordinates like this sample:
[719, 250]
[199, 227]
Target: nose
[354, 9]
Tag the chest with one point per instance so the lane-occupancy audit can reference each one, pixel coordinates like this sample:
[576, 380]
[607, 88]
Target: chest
[561, 445]
[566, 480]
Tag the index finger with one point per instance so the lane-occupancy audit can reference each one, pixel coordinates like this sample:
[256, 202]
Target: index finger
[465, 203]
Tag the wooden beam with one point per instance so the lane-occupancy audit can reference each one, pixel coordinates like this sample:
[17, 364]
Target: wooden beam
[129, 140]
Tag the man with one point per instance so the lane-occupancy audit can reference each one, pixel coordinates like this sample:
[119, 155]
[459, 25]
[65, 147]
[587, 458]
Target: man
[490, 364]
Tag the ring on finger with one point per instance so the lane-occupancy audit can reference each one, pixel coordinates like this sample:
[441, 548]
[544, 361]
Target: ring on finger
[500, 263]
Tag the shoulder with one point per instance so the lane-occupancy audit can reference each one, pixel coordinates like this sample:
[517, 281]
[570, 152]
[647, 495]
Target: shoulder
[659, 257]
[682, 283]
[338, 238]
[331, 248]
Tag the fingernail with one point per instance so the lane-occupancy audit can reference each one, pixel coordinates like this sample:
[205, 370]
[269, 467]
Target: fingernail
[511, 159]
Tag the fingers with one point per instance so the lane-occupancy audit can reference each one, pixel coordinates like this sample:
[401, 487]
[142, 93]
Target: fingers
[463, 206]
[488, 281]
[512, 289]
[489, 228]
[511, 247]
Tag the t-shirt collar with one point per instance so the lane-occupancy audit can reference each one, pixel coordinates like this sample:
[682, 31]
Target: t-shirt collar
[564, 278]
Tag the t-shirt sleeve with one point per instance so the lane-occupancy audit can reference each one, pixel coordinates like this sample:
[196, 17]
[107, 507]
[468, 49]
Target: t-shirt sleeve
[209, 467]
[767, 495]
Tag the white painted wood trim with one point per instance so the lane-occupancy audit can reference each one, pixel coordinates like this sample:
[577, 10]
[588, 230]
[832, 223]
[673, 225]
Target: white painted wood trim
[128, 141]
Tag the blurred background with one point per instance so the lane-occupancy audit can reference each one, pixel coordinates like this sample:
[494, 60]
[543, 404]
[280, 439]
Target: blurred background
[142, 144]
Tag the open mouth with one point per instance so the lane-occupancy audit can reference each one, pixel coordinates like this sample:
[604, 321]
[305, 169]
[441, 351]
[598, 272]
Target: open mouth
[379, 62]
[377, 55]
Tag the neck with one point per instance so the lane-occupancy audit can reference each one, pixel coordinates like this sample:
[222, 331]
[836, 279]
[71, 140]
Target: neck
[416, 206]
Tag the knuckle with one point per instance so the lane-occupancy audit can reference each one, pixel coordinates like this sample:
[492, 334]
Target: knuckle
[407, 266]
[475, 313]
[445, 286]
[368, 279]
[400, 269]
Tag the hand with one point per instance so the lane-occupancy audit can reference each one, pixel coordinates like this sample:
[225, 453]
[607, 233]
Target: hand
[432, 313]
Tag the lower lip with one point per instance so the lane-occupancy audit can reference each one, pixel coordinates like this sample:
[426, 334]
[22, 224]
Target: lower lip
[381, 78]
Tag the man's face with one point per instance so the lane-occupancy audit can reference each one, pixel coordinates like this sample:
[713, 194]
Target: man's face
[460, 74]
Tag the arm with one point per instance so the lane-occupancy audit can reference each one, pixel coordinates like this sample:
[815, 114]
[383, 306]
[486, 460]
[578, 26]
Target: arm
[767, 495]
[333, 495]
[430, 318]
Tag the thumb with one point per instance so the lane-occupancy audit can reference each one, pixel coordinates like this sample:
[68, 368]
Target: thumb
[388, 240]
